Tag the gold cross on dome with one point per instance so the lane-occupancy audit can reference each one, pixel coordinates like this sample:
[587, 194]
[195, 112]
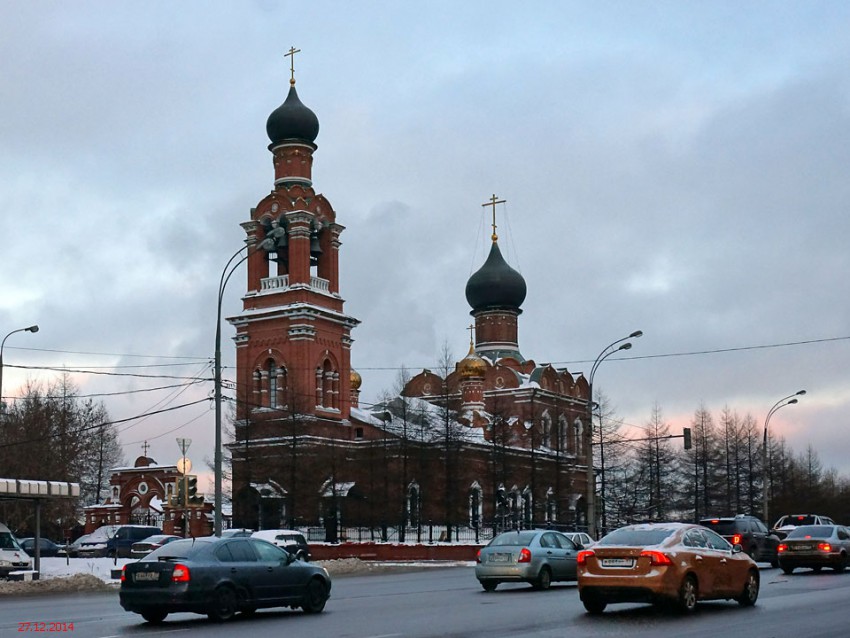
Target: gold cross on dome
[471, 329]
[493, 201]
[291, 56]
[145, 447]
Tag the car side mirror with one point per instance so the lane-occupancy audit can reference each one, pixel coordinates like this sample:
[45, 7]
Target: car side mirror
[579, 546]
[289, 559]
[737, 549]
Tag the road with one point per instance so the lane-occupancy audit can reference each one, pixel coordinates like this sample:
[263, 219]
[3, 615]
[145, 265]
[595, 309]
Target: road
[448, 602]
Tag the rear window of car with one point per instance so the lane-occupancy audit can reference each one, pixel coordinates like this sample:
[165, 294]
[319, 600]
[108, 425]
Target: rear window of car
[720, 526]
[185, 548]
[636, 537]
[810, 530]
[514, 538]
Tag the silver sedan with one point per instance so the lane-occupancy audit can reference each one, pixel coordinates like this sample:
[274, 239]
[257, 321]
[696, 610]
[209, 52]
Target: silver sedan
[535, 556]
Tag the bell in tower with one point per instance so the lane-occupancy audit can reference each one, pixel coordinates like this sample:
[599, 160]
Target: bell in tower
[315, 246]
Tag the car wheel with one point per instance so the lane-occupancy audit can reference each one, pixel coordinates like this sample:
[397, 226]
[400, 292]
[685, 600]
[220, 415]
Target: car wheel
[154, 617]
[489, 585]
[687, 601]
[816, 568]
[593, 606]
[774, 563]
[544, 579]
[788, 570]
[750, 594]
[224, 605]
[302, 556]
[315, 596]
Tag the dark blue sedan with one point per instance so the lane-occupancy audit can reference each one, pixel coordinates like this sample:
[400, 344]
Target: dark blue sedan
[220, 577]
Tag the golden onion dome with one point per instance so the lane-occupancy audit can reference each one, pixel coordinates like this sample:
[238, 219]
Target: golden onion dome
[356, 380]
[472, 365]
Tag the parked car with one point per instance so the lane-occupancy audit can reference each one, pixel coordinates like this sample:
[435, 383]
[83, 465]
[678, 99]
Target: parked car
[235, 532]
[92, 545]
[580, 538]
[535, 556]
[12, 555]
[145, 547]
[662, 563]
[291, 540]
[748, 532]
[46, 547]
[220, 577]
[815, 546]
[791, 521]
[122, 540]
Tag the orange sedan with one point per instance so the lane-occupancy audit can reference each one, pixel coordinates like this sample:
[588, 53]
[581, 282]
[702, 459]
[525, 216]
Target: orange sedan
[663, 563]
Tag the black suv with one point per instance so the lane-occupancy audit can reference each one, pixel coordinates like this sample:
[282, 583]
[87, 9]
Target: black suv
[748, 532]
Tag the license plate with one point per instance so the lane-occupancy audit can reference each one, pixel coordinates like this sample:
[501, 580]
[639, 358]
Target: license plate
[801, 548]
[145, 576]
[500, 558]
[618, 562]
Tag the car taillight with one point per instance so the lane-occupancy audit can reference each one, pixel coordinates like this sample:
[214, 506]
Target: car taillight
[524, 555]
[825, 547]
[736, 539]
[656, 558]
[180, 574]
[478, 556]
[123, 573]
[782, 547]
[581, 559]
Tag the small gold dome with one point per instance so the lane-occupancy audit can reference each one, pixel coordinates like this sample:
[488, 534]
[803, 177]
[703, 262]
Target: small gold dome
[356, 380]
[472, 365]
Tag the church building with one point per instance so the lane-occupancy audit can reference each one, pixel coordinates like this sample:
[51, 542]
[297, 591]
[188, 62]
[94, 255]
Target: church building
[494, 439]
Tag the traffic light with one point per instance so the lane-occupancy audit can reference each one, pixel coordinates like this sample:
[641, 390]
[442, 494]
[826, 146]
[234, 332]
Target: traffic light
[181, 492]
[686, 432]
[193, 497]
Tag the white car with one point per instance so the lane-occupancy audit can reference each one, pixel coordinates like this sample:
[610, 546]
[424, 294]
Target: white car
[580, 538]
[12, 556]
[291, 540]
[792, 521]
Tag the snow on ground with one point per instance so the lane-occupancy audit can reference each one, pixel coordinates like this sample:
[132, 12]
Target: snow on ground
[95, 574]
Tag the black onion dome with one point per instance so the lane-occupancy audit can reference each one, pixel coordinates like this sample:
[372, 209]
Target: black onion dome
[292, 120]
[496, 285]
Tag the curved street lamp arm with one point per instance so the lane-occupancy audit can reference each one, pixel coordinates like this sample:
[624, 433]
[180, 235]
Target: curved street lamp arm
[608, 351]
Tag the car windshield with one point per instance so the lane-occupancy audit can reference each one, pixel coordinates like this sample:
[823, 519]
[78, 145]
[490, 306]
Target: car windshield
[797, 520]
[636, 537]
[7, 541]
[817, 531]
[514, 538]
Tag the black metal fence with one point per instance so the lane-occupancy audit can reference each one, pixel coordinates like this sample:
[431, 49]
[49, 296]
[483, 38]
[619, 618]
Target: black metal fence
[427, 533]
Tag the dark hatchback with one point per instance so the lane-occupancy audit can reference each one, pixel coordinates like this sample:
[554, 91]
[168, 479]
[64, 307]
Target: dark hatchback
[748, 532]
[220, 577]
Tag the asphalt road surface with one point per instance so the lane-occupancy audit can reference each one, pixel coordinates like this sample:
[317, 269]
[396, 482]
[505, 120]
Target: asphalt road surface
[449, 602]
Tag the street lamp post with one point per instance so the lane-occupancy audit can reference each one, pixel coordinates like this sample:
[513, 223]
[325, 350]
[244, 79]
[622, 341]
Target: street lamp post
[33, 328]
[791, 399]
[588, 433]
[229, 269]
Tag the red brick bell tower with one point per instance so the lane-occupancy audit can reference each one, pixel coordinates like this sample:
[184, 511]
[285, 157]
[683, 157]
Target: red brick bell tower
[293, 338]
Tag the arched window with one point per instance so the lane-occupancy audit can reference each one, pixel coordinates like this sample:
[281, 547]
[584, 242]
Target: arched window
[563, 435]
[547, 430]
[527, 508]
[551, 506]
[475, 505]
[413, 503]
[271, 371]
[327, 386]
[579, 427]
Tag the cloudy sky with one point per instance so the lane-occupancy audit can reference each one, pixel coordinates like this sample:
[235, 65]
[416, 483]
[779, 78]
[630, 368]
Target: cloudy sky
[675, 167]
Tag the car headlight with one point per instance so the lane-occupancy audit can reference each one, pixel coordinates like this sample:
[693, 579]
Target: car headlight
[5, 563]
